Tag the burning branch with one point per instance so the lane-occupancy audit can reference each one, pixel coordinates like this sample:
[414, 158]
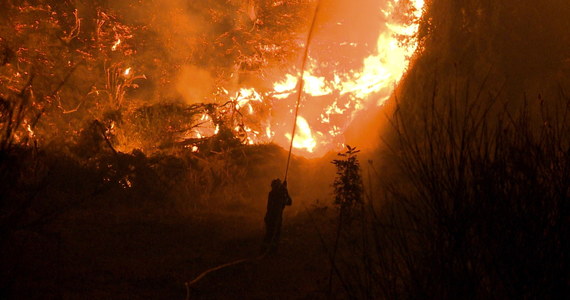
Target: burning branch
[75, 31]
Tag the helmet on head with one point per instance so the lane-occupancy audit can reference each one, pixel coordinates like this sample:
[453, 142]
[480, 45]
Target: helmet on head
[276, 183]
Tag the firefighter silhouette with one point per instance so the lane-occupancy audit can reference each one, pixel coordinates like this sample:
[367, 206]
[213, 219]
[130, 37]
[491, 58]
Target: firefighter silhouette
[277, 199]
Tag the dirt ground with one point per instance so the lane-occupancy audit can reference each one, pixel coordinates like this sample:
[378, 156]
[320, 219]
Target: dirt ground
[109, 256]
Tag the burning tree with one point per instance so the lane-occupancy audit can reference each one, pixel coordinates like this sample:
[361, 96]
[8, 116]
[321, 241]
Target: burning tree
[92, 80]
[53, 60]
[248, 36]
[65, 64]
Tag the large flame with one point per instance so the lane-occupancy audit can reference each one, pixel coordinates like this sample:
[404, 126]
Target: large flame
[333, 94]
[303, 136]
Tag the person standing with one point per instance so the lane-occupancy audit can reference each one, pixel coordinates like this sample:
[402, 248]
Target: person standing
[277, 199]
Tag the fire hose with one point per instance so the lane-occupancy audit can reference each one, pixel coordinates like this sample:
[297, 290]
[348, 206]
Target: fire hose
[301, 85]
[203, 274]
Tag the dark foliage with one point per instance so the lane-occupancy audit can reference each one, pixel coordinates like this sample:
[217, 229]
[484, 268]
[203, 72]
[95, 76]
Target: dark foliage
[348, 190]
[479, 205]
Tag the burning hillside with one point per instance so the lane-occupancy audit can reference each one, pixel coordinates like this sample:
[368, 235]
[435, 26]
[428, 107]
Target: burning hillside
[143, 144]
[167, 74]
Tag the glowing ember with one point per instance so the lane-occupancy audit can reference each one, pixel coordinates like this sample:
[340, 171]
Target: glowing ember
[30, 131]
[116, 45]
[244, 96]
